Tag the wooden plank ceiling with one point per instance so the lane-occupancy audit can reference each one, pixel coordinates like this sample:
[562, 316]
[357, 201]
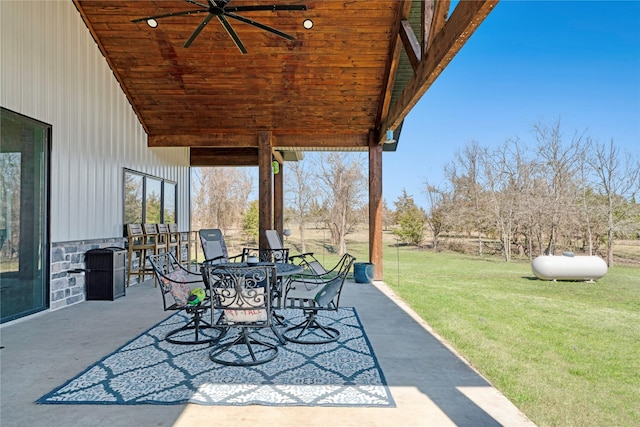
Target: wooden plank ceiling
[357, 72]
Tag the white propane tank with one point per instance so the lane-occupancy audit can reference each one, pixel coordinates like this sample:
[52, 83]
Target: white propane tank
[568, 267]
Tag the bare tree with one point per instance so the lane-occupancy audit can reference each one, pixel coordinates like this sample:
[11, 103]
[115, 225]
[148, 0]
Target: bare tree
[300, 197]
[618, 180]
[221, 197]
[471, 199]
[554, 195]
[587, 202]
[343, 186]
[387, 215]
[508, 178]
[497, 180]
[437, 214]
[558, 163]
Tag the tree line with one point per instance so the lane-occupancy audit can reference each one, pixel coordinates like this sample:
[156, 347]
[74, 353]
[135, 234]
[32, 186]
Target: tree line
[540, 197]
[532, 197]
[326, 190]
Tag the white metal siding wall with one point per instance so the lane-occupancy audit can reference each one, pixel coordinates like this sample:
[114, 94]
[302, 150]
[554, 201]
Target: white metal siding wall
[52, 70]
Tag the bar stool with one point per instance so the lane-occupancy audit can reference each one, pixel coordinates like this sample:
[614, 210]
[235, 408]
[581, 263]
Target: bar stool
[172, 244]
[138, 244]
[157, 240]
[182, 240]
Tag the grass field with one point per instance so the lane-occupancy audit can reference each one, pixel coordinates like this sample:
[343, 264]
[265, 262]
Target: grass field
[566, 353]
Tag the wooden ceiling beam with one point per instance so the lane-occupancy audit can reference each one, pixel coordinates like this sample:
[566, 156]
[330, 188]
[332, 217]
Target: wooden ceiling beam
[277, 155]
[280, 140]
[204, 140]
[321, 140]
[464, 20]
[201, 157]
[212, 156]
[426, 18]
[437, 20]
[403, 11]
[411, 44]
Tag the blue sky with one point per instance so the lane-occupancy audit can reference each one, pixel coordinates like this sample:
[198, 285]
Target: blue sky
[529, 62]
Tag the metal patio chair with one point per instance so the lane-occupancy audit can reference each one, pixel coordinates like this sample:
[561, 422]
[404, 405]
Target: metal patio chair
[176, 285]
[309, 263]
[274, 253]
[243, 294]
[277, 251]
[314, 293]
[214, 247]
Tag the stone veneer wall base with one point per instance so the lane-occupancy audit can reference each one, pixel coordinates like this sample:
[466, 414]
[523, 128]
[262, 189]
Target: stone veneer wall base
[68, 288]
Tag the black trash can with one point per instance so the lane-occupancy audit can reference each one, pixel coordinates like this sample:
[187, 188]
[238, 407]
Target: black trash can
[105, 273]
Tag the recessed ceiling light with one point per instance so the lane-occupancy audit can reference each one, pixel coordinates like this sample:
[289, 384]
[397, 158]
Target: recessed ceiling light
[152, 23]
[308, 24]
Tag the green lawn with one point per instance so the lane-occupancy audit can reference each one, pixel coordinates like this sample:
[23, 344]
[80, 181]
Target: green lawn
[566, 353]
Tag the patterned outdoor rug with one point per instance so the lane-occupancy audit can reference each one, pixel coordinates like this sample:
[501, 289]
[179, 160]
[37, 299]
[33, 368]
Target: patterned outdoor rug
[149, 370]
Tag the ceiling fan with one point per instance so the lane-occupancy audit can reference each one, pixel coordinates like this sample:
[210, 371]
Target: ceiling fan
[221, 10]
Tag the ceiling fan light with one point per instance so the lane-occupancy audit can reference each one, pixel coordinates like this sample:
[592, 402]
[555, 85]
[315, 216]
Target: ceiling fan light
[307, 24]
[152, 23]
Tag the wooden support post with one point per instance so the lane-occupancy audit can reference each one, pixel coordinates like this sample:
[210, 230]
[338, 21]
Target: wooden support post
[278, 200]
[375, 205]
[265, 186]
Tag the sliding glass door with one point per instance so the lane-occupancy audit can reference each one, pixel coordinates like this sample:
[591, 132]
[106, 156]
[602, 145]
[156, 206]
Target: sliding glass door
[24, 239]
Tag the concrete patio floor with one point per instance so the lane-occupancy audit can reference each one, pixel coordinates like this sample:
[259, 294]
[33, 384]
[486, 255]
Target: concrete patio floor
[430, 383]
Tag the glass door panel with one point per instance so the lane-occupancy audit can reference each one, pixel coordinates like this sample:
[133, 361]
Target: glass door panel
[24, 245]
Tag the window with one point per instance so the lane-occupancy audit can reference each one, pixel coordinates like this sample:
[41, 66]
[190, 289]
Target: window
[169, 202]
[153, 200]
[133, 184]
[148, 199]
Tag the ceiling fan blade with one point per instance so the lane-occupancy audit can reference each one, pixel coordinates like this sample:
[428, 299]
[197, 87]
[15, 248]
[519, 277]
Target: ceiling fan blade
[219, 9]
[266, 7]
[259, 25]
[198, 4]
[197, 31]
[227, 26]
[166, 15]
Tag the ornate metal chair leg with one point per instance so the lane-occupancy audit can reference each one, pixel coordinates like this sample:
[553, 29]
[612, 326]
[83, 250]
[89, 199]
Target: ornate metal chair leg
[244, 338]
[196, 324]
[308, 328]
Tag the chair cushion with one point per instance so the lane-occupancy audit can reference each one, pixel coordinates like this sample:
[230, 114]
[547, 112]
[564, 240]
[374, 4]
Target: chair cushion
[234, 315]
[245, 316]
[175, 283]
